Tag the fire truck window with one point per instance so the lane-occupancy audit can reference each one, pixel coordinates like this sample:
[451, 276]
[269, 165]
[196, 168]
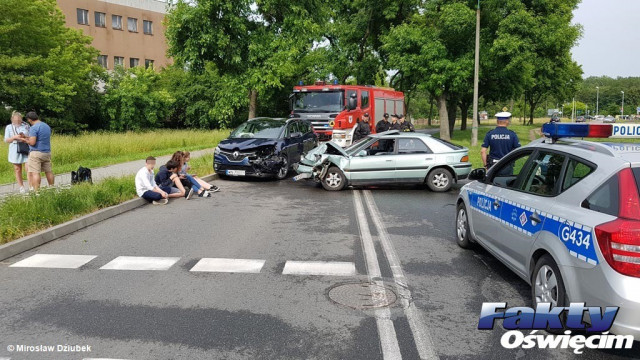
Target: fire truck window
[364, 99]
[348, 94]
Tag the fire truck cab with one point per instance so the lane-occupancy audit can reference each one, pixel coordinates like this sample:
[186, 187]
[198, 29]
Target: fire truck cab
[334, 110]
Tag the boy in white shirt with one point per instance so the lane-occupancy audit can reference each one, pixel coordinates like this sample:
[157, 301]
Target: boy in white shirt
[146, 186]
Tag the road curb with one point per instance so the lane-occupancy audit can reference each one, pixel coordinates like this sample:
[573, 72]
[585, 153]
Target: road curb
[34, 240]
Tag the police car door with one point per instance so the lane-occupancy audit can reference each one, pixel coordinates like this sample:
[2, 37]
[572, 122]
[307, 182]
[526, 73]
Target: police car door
[525, 205]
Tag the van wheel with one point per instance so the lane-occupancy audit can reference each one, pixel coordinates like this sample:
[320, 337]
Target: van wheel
[440, 180]
[463, 234]
[334, 180]
[284, 170]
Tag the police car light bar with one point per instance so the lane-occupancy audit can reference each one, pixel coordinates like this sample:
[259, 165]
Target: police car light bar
[562, 130]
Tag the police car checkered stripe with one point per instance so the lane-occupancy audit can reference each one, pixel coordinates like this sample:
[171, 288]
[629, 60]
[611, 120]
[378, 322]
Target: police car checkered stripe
[577, 238]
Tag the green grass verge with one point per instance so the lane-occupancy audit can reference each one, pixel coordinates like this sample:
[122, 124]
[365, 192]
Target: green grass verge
[106, 148]
[24, 215]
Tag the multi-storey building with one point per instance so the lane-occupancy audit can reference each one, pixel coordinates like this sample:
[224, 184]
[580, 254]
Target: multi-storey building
[127, 32]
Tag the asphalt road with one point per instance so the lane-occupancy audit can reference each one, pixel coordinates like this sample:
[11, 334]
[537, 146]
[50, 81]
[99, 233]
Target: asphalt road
[399, 239]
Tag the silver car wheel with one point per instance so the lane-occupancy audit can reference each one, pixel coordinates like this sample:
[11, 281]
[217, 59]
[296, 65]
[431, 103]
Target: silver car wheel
[440, 181]
[333, 180]
[462, 224]
[546, 286]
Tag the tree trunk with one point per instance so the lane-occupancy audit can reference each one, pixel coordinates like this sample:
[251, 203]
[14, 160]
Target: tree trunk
[444, 117]
[430, 110]
[452, 109]
[464, 111]
[532, 108]
[253, 103]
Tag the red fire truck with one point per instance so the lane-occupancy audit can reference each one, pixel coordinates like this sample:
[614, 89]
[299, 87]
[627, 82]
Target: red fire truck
[333, 110]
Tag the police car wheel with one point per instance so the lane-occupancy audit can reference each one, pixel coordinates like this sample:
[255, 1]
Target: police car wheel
[440, 180]
[462, 227]
[547, 285]
[334, 180]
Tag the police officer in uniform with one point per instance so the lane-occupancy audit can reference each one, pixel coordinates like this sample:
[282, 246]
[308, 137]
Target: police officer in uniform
[383, 125]
[500, 141]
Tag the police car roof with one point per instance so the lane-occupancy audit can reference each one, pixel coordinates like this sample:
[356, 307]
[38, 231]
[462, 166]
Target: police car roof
[627, 151]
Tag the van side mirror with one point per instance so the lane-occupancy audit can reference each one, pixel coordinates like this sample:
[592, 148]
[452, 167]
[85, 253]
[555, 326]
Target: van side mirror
[353, 102]
[478, 174]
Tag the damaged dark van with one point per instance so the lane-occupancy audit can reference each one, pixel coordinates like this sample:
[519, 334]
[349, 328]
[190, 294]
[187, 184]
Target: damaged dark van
[264, 147]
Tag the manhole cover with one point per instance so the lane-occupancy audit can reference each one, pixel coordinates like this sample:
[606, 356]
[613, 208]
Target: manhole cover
[362, 295]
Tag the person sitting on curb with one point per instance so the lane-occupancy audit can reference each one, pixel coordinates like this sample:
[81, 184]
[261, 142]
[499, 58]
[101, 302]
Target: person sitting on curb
[184, 171]
[167, 176]
[146, 187]
[190, 184]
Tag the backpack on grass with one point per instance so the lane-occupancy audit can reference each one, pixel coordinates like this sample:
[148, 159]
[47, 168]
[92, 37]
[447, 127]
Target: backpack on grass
[82, 175]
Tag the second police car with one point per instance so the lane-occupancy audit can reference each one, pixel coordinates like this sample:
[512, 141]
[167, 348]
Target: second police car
[564, 215]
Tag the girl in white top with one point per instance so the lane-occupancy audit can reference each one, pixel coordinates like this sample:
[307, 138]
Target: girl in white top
[17, 131]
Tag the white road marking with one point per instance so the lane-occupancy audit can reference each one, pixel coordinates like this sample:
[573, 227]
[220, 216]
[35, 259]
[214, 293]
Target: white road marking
[421, 335]
[228, 265]
[54, 261]
[140, 263]
[330, 268]
[99, 359]
[386, 330]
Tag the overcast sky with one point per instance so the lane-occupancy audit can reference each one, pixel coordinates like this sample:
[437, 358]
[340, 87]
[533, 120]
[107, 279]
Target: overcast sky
[610, 43]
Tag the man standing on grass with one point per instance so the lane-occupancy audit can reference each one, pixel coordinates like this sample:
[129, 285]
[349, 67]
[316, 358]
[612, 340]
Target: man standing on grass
[146, 186]
[40, 151]
[500, 141]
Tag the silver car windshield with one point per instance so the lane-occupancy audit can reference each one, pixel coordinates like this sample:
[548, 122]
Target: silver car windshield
[358, 146]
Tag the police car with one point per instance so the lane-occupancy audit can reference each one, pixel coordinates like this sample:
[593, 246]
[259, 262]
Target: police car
[564, 215]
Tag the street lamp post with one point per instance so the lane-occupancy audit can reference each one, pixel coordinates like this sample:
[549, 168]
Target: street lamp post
[475, 121]
[597, 99]
[622, 108]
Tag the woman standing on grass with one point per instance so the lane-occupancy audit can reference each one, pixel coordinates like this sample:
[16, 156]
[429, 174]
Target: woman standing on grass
[14, 133]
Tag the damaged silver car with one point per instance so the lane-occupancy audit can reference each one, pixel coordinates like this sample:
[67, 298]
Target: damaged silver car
[390, 157]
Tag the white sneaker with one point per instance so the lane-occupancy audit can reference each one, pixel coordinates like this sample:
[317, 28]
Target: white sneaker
[161, 202]
[189, 194]
[22, 190]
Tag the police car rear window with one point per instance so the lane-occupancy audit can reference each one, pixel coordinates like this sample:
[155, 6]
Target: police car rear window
[605, 198]
[636, 174]
[448, 144]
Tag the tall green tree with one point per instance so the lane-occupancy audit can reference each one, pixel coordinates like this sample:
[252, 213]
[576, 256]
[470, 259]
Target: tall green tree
[44, 65]
[250, 44]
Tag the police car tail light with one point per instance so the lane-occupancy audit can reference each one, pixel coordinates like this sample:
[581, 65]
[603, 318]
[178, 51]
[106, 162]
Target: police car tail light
[619, 240]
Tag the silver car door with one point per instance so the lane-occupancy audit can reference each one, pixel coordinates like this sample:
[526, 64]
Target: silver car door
[413, 161]
[374, 164]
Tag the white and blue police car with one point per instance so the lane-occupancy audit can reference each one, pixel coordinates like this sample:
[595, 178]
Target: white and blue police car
[564, 214]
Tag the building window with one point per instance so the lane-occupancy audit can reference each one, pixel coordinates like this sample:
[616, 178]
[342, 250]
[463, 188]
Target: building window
[116, 22]
[147, 27]
[101, 19]
[133, 24]
[148, 63]
[83, 17]
[102, 60]
[133, 62]
[118, 61]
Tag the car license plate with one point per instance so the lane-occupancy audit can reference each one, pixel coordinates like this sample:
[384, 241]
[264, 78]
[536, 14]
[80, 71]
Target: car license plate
[235, 172]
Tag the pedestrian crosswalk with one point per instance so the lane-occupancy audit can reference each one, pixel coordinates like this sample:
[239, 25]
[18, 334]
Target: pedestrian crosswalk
[204, 265]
